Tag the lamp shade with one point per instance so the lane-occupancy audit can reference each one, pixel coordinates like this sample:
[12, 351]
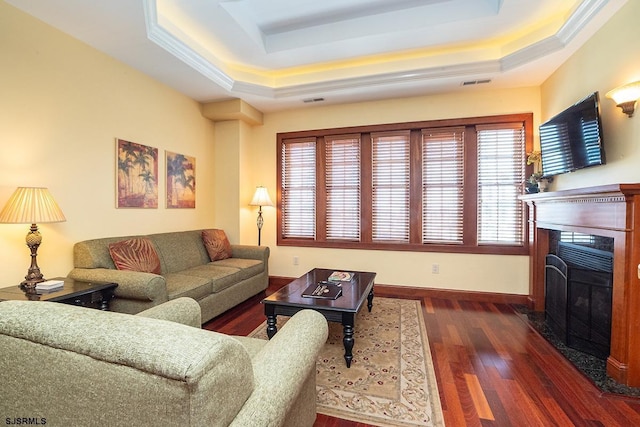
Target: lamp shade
[261, 198]
[31, 205]
[627, 93]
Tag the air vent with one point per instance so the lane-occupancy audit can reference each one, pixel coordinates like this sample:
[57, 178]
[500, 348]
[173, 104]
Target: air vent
[310, 100]
[476, 82]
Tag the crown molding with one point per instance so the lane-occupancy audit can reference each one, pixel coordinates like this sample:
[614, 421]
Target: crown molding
[163, 38]
[456, 70]
[583, 14]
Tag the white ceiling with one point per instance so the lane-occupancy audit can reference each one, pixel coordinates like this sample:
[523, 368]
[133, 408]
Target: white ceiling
[275, 54]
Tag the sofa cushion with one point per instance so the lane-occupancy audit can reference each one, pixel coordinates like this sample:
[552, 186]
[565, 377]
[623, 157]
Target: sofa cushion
[183, 285]
[137, 254]
[217, 244]
[180, 250]
[248, 267]
[221, 277]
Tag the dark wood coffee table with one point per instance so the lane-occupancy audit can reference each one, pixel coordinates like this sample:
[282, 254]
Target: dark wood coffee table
[92, 295]
[289, 300]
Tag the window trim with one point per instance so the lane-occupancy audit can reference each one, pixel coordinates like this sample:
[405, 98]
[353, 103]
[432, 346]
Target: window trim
[469, 228]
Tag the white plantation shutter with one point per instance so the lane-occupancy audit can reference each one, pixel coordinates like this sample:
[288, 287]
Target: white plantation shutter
[501, 173]
[390, 186]
[298, 189]
[442, 185]
[343, 187]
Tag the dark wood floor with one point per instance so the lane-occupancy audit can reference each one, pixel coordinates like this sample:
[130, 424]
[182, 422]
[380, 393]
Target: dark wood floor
[492, 368]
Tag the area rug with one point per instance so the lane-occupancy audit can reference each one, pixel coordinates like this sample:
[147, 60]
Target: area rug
[391, 381]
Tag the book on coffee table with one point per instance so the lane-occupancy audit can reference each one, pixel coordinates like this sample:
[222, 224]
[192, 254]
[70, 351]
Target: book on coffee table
[50, 285]
[340, 276]
[323, 290]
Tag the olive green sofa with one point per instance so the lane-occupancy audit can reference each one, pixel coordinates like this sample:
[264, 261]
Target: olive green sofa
[65, 365]
[186, 271]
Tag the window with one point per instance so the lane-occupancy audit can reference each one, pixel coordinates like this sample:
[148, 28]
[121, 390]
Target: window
[446, 185]
[501, 172]
[390, 187]
[442, 185]
[298, 189]
[343, 188]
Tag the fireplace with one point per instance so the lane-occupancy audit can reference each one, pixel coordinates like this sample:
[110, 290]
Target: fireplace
[612, 211]
[578, 296]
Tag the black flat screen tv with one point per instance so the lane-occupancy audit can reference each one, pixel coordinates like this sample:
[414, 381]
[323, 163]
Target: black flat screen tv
[572, 140]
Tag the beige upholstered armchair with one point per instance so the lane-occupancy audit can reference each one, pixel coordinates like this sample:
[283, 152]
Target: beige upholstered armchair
[70, 366]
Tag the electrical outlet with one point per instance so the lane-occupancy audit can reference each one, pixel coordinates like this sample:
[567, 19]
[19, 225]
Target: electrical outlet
[295, 260]
[435, 268]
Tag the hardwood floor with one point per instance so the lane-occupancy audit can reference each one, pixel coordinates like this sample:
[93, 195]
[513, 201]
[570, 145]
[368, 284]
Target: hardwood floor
[492, 368]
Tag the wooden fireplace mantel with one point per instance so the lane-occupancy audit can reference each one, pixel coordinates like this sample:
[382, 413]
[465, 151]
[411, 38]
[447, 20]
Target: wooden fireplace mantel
[611, 211]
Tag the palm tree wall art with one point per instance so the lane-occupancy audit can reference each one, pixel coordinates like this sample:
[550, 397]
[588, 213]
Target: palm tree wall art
[181, 180]
[137, 175]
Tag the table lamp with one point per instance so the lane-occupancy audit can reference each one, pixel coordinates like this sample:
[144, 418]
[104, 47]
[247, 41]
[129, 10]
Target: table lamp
[31, 205]
[260, 198]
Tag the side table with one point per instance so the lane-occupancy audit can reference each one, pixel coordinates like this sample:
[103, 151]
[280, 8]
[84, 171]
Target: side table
[92, 295]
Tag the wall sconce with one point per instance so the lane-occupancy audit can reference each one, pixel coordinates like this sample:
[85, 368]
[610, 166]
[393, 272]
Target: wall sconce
[626, 97]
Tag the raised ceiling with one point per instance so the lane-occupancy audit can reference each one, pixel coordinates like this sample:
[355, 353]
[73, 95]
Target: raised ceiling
[276, 54]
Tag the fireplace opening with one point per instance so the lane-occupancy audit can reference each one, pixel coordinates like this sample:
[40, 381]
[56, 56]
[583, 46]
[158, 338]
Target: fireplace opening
[578, 296]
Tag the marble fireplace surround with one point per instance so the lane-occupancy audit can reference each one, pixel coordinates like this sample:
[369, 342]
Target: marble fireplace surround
[610, 211]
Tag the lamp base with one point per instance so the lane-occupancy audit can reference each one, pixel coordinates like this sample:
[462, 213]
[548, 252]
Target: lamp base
[34, 276]
[30, 283]
[259, 222]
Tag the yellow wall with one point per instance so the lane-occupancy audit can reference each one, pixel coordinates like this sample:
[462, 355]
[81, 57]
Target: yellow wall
[227, 170]
[507, 274]
[62, 104]
[609, 59]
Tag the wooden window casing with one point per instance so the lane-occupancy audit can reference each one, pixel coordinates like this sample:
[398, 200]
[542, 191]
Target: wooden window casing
[454, 186]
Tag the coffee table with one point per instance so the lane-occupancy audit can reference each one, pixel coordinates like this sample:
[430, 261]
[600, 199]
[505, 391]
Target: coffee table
[289, 300]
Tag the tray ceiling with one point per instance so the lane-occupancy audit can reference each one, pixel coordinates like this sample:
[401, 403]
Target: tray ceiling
[276, 54]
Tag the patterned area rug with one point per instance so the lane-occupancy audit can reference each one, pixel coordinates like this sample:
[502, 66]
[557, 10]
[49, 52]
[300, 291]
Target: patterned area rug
[391, 381]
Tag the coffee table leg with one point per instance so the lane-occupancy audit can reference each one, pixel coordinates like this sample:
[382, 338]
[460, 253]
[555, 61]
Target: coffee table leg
[270, 312]
[370, 300]
[271, 326]
[348, 342]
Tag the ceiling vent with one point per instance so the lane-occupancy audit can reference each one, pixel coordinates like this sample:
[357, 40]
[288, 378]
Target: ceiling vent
[476, 82]
[310, 100]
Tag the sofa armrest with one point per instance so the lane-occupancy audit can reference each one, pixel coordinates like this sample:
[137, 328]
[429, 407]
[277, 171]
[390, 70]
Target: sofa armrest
[280, 369]
[126, 370]
[131, 284]
[251, 252]
[180, 310]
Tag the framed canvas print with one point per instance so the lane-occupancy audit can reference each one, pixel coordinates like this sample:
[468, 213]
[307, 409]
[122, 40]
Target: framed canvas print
[136, 175]
[181, 180]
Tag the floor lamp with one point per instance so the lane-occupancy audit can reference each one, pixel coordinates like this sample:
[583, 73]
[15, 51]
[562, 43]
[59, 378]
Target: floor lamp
[29, 205]
[260, 198]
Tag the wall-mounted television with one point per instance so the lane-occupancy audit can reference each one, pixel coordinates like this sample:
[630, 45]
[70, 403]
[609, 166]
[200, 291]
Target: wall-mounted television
[572, 139]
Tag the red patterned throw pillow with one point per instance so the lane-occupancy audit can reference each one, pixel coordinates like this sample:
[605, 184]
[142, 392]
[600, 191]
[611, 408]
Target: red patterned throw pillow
[135, 255]
[217, 244]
